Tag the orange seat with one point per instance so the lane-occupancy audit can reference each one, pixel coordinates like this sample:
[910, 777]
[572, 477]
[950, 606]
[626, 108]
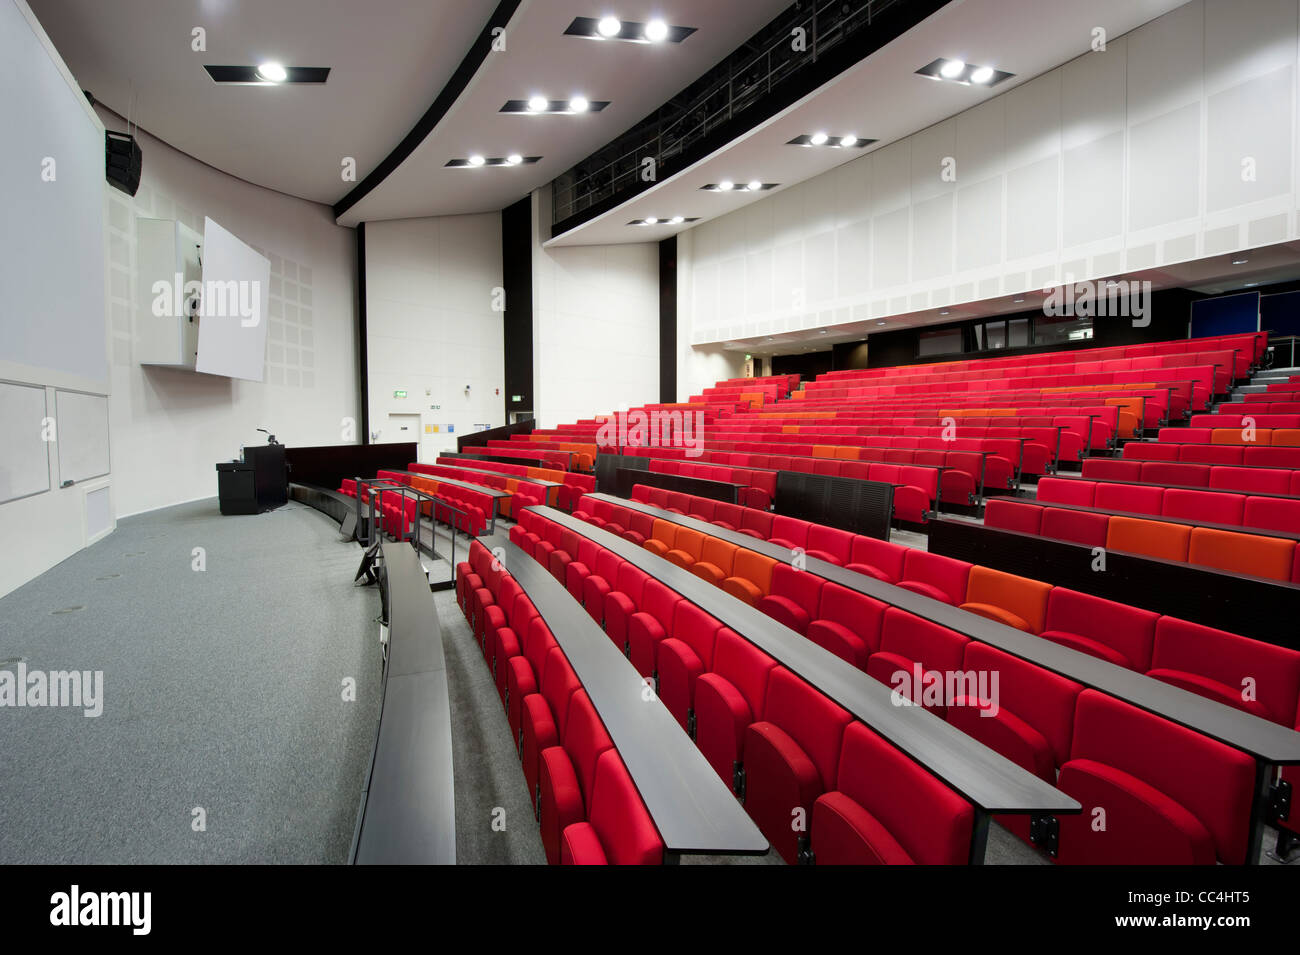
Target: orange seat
[717, 557]
[1286, 438]
[1015, 601]
[662, 539]
[686, 548]
[1263, 436]
[1251, 554]
[1148, 538]
[823, 451]
[846, 452]
[751, 577]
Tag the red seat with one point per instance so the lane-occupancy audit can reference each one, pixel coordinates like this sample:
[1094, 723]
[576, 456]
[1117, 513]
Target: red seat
[567, 772]
[649, 625]
[1153, 792]
[908, 643]
[683, 657]
[887, 810]
[1259, 678]
[830, 544]
[619, 830]
[791, 757]
[1104, 629]
[847, 624]
[543, 715]
[1206, 506]
[1010, 516]
[794, 597]
[1079, 527]
[935, 576]
[621, 603]
[789, 532]
[728, 699]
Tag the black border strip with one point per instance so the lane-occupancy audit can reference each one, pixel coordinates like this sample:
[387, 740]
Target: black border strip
[668, 320]
[363, 352]
[434, 114]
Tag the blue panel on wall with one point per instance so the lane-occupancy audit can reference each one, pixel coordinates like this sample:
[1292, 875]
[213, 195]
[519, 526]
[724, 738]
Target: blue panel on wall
[1225, 315]
[1280, 314]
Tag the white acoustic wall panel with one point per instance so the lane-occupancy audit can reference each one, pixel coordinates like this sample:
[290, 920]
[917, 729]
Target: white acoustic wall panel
[82, 435]
[235, 309]
[25, 461]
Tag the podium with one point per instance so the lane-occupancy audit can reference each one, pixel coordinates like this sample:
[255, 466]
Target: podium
[258, 483]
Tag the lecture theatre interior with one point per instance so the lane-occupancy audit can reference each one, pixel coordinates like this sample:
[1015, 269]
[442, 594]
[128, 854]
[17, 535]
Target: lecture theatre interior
[651, 432]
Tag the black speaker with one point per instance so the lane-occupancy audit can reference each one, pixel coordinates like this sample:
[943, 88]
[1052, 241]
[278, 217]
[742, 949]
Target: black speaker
[122, 161]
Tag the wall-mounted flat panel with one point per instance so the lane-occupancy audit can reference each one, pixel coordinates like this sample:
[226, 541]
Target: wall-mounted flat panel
[932, 238]
[1031, 208]
[1248, 140]
[1093, 191]
[979, 224]
[236, 295]
[1165, 168]
[82, 435]
[25, 463]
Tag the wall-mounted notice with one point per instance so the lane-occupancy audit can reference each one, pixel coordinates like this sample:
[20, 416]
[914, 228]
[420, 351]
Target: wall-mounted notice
[82, 436]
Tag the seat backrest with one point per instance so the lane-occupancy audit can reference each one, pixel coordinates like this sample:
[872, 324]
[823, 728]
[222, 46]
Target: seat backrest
[584, 740]
[719, 553]
[1148, 538]
[1020, 596]
[857, 612]
[812, 720]
[744, 666]
[1066, 491]
[1039, 697]
[666, 532]
[1265, 677]
[1257, 480]
[1253, 554]
[1129, 631]
[1215, 507]
[1271, 513]
[1212, 781]
[884, 556]
[800, 586]
[831, 540]
[947, 574]
[1010, 516]
[631, 582]
[731, 514]
[930, 821]
[755, 568]
[558, 683]
[659, 602]
[1080, 527]
[1129, 497]
[619, 817]
[758, 521]
[933, 646]
[791, 531]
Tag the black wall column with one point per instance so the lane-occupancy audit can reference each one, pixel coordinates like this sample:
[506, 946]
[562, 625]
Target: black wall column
[517, 279]
[668, 320]
[363, 355]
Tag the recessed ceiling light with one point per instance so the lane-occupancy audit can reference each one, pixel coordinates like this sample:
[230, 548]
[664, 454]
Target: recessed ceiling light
[273, 72]
[514, 159]
[726, 185]
[880, 323]
[982, 75]
[656, 30]
[609, 26]
[822, 332]
[538, 103]
[651, 220]
[754, 185]
[1250, 284]
[476, 160]
[848, 141]
[579, 104]
[1017, 301]
[952, 69]
[1240, 261]
[944, 312]
[676, 220]
[819, 139]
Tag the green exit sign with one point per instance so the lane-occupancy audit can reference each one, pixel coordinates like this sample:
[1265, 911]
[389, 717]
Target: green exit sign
[399, 394]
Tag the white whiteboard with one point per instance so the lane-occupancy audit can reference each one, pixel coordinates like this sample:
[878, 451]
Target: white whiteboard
[24, 452]
[236, 294]
[82, 435]
[52, 193]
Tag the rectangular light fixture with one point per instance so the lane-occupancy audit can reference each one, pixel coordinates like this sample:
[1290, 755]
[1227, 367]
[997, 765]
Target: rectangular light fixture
[248, 75]
[966, 74]
[830, 142]
[492, 161]
[552, 106]
[675, 220]
[740, 187]
[630, 30]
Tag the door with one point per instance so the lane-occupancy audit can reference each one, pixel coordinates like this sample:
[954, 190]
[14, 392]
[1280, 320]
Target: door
[401, 428]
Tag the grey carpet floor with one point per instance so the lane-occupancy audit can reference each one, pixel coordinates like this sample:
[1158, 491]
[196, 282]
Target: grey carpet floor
[223, 691]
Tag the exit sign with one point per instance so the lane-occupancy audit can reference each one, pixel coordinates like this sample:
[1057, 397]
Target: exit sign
[399, 394]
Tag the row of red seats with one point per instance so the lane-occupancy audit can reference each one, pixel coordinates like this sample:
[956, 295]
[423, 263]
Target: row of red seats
[1195, 809]
[589, 810]
[1187, 504]
[1257, 480]
[398, 511]
[521, 492]
[573, 485]
[787, 750]
[759, 488]
[1247, 456]
[1259, 437]
[1255, 555]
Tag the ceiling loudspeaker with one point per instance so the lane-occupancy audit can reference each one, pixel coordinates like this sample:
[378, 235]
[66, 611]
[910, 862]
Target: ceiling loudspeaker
[122, 161]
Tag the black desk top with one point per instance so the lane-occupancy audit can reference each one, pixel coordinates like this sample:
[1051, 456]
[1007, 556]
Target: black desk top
[692, 807]
[504, 474]
[1261, 738]
[988, 780]
[481, 488]
[409, 815]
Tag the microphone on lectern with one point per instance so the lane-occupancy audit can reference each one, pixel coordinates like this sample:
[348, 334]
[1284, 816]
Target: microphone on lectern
[270, 438]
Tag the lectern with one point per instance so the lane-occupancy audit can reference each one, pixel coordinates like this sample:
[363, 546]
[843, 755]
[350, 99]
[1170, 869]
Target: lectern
[258, 483]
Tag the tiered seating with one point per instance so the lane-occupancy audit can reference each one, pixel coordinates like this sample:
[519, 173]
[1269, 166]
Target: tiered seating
[781, 742]
[398, 511]
[590, 811]
[522, 492]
